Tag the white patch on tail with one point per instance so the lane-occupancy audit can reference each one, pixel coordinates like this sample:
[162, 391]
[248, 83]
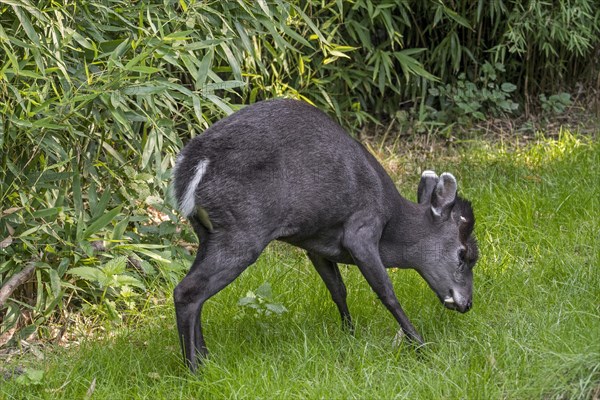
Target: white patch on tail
[187, 203]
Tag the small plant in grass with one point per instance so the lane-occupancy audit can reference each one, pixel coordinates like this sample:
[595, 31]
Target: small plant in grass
[261, 303]
[30, 377]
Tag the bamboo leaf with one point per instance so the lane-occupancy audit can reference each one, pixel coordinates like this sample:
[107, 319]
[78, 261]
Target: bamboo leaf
[265, 7]
[101, 222]
[144, 69]
[99, 208]
[144, 89]
[119, 230]
[233, 63]
[457, 18]
[27, 26]
[77, 195]
[310, 24]
[219, 103]
[47, 212]
[223, 85]
[55, 282]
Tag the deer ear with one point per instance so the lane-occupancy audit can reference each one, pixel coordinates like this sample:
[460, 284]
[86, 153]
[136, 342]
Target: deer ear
[444, 195]
[428, 181]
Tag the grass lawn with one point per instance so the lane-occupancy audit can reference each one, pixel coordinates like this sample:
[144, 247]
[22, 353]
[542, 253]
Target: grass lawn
[533, 333]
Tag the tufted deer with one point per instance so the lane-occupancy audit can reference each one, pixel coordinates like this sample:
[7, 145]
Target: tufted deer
[283, 170]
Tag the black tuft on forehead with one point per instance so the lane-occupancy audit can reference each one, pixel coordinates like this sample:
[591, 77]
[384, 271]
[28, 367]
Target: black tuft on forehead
[464, 213]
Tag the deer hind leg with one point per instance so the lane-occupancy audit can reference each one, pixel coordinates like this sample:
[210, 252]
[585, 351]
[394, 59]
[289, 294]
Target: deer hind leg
[219, 261]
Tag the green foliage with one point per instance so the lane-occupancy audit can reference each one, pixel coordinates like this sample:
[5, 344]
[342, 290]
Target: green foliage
[381, 67]
[110, 284]
[478, 100]
[261, 302]
[549, 44]
[556, 103]
[30, 377]
[544, 46]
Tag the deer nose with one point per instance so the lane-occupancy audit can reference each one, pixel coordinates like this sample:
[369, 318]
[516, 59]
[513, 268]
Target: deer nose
[466, 307]
[457, 302]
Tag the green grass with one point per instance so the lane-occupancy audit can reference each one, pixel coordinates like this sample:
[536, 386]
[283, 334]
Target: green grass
[534, 331]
